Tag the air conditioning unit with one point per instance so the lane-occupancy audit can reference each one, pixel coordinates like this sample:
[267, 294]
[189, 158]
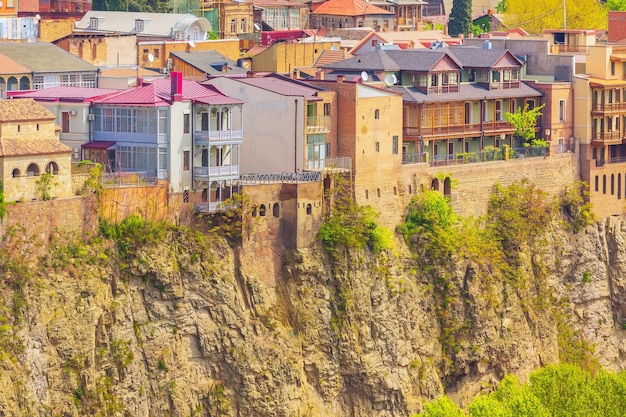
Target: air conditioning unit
[72, 112]
[91, 116]
[163, 70]
[169, 63]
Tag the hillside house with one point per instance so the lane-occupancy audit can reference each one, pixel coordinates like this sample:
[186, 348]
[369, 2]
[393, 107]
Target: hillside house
[171, 130]
[333, 14]
[30, 146]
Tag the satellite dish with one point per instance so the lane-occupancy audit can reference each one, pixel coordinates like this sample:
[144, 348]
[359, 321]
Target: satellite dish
[364, 76]
[390, 80]
[150, 57]
[192, 44]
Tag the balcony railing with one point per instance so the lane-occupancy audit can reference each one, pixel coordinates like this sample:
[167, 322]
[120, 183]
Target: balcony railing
[504, 85]
[224, 170]
[609, 107]
[496, 154]
[560, 48]
[279, 177]
[490, 128]
[414, 158]
[218, 135]
[435, 89]
[607, 137]
[318, 124]
[342, 164]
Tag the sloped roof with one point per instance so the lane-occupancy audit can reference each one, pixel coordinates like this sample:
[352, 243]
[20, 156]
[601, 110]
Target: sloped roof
[23, 111]
[278, 3]
[468, 91]
[9, 66]
[349, 8]
[31, 146]
[328, 56]
[209, 62]
[43, 57]
[155, 24]
[394, 60]
[159, 93]
[75, 94]
[476, 57]
[283, 86]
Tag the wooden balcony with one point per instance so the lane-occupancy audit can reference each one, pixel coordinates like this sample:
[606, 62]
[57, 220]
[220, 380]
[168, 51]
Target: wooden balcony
[559, 48]
[473, 129]
[607, 138]
[437, 89]
[206, 173]
[504, 85]
[609, 107]
[205, 137]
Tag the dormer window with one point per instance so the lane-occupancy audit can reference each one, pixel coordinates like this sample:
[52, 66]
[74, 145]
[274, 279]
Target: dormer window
[93, 23]
[139, 25]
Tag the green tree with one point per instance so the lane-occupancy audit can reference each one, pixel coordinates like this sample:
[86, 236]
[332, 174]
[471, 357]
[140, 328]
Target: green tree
[3, 203]
[525, 121]
[460, 21]
[535, 17]
[617, 5]
[45, 184]
[442, 407]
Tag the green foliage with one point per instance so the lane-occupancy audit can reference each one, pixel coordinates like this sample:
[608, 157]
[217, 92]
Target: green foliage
[134, 231]
[573, 347]
[121, 354]
[442, 407]
[219, 404]
[460, 20]
[3, 204]
[517, 216]
[586, 277]
[93, 184]
[536, 17]
[576, 206]
[44, 185]
[350, 225]
[233, 219]
[525, 121]
[617, 5]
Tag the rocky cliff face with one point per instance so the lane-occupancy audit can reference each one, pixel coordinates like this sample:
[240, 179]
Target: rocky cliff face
[175, 326]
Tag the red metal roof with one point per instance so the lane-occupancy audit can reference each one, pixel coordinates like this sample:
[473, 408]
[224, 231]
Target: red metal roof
[159, 93]
[283, 86]
[98, 145]
[80, 94]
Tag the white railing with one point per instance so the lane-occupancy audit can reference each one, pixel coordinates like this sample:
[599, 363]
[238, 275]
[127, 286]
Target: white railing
[330, 164]
[216, 171]
[218, 135]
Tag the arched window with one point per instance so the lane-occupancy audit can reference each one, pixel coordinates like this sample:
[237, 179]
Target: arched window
[254, 211]
[32, 171]
[612, 184]
[275, 210]
[604, 184]
[597, 184]
[395, 190]
[447, 187]
[435, 184]
[24, 83]
[309, 209]
[410, 189]
[378, 192]
[12, 84]
[619, 186]
[52, 168]
[16, 173]
[225, 119]
[205, 195]
[262, 210]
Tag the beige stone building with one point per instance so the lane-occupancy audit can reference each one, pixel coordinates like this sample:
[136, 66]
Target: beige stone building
[29, 147]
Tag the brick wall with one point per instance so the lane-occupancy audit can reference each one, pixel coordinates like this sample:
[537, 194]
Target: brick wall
[608, 189]
[617, 26]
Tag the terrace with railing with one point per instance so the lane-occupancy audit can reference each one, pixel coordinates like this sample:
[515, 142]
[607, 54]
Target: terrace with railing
[340, 164]
[495, 154]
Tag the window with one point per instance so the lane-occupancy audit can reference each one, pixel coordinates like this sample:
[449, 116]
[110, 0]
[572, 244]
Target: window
[328, 149]
[186, 155]
[612, 68]
[275, 210]
[394, 146]
[561, 110]
[374, 42]
[32, 170]
[19, 128]
[138, 25]
[244, 25]
[326, 109]
[309, 209]
[376, 114]
[531, 104]
[155, 52]
[186, 119]
[377, 146]
[16, 173]
[93, 23]
[233, 25]
[52, 168]
[262, 210]
[185, 196]
[495, 76]
[498, 110]
[433, 80]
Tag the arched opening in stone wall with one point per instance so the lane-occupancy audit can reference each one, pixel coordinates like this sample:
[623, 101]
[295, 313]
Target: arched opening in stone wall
[262, 210]
[15, 173]
[604, 184]
[32, 170]
[619, 186]
[52, 168]
[24, 83]
[254, 211]
[275, 210]
[597, 184]
[434, 185]
[309, 209]
[447, 187]
[612, 184]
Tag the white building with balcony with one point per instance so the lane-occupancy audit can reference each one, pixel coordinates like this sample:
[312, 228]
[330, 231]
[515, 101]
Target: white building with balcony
[171, 130]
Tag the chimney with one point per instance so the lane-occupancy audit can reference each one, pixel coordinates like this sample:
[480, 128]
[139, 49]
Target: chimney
[177, 86]
[319, 74]
[250, 74]
[340, 78]
[224, 68]
[296, 74]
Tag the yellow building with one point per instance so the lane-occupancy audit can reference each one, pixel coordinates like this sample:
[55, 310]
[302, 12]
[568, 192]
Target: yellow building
[30, 147]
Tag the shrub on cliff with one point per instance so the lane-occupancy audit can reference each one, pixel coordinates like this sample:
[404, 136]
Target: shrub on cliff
[576, 207]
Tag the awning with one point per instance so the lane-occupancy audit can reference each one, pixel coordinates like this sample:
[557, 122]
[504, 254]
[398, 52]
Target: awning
[98, 145]
[599, 82]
